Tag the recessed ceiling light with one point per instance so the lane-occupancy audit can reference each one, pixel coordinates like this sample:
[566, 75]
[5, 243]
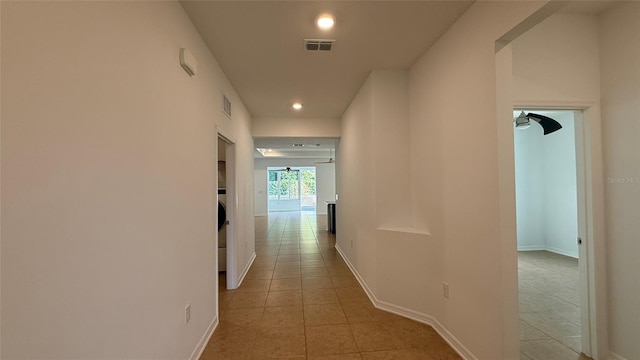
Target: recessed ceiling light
[325, 22]
[297, 105]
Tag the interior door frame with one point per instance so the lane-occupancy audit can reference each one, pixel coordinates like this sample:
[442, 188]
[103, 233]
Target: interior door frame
[588, 171]
[231, 206]
[583, 234]
[594, 198]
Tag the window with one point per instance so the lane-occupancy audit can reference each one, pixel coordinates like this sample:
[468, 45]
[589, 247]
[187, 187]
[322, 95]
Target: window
[308, 181]
[284, 185]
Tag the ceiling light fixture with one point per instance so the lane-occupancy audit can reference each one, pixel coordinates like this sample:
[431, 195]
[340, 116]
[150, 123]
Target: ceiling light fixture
[297, 106]
[325, 22]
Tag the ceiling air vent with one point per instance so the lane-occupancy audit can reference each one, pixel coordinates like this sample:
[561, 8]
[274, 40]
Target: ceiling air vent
[318, 44]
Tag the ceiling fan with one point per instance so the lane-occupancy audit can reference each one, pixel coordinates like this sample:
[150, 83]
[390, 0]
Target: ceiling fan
[548, 124]
[330, 161]
[288, 168]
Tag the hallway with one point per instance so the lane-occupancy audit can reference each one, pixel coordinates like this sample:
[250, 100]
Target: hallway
[301, 301]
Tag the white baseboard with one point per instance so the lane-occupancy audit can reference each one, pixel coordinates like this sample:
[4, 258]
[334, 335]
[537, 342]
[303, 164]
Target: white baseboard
[547, 248]
[561, 252]
[531, 247]
[355, 273]
[410, 314]
[614, 356]
[197, 352]
[431, 321]
[246, 270]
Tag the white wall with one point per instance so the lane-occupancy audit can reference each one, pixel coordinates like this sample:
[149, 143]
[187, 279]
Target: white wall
[620, 59]
[529, 187]
[449, 230]
[325, 186]
[355, 207]
[569, 75]
[373, 172]
[560, 211]
[295, 127]
[546, 187]
[390, 148]
[453, 122]
[556, 62]
[109, 179]
[325, 181]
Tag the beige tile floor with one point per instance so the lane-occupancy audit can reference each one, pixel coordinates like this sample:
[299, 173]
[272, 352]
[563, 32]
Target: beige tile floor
[549, 307]
[300, 301]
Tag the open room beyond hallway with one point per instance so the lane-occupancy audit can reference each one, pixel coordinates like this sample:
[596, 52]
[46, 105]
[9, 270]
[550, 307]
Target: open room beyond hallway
[549, 306]
[299, 300]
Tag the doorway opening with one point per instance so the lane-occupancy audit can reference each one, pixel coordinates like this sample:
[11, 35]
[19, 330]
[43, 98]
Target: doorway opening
[550, 221]
[291, 189]
[226, 213]
[222, 213]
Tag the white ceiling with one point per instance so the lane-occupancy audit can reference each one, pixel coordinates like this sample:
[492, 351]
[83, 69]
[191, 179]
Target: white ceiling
[259, 45]
[589, 7]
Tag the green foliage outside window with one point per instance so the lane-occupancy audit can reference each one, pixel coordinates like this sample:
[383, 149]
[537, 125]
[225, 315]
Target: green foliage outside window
[308, 182]
[289, 185]
[284, 185]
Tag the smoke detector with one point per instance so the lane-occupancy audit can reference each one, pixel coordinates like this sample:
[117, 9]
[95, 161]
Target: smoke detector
[318, 44]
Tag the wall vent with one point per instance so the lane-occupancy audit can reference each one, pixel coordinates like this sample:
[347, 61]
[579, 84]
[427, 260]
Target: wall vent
[318, 44]
[226, 105]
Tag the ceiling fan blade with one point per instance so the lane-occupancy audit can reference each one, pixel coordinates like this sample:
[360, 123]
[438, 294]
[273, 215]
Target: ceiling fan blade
[548, 124]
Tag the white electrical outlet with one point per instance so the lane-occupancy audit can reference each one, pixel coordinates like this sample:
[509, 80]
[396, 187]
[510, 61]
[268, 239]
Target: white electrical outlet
[187, 314]
[445, 290]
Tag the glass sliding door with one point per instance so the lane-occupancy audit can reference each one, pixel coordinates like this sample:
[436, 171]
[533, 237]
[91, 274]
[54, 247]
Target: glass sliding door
[308, 189]
[284, 189]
